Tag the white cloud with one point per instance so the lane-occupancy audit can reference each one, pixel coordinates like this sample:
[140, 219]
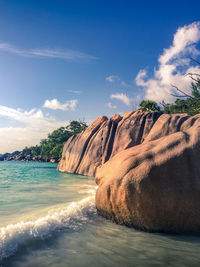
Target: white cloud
[122, 97]
[110, 105]
[76, 92]
[33, 126]
[183, 42]
[46, 53]
[173, 65]
[55, 104]
[139, 79]
[22, 116]
[112, 78]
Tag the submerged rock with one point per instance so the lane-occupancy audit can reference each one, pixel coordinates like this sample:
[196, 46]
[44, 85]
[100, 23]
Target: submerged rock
[147, 169]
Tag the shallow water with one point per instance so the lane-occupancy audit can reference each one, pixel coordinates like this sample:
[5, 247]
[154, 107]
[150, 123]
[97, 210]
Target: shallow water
[48, 218]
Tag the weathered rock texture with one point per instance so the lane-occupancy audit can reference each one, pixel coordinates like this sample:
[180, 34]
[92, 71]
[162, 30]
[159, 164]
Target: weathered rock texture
[147, 167]
[104, 138]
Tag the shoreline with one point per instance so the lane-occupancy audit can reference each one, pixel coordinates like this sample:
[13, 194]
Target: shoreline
[21, 156]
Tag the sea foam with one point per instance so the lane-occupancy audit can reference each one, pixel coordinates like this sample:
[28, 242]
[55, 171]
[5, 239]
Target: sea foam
[72, 217]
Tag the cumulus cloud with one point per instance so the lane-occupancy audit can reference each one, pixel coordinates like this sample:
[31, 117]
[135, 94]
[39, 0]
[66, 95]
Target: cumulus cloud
[112, 78]
[183, 42]
[110, 105]
[22, 116]
[55, 104]
[122, 97]
[174, 63]
[32, 126]
[46, 53]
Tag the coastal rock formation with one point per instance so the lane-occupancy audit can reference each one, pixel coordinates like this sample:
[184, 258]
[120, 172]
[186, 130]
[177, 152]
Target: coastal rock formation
[22, 156]
[16, 155]
[104, 138]
[146, 167]
[84, 152]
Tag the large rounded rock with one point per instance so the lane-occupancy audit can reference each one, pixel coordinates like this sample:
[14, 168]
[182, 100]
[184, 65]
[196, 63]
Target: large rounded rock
[147, 167]
[155, 186]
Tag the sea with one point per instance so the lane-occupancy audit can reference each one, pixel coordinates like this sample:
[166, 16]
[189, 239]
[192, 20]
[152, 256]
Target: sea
[48, 218]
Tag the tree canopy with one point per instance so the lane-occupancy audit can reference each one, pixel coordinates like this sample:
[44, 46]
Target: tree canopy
[149, 105]
[51, 147]
[186, 103]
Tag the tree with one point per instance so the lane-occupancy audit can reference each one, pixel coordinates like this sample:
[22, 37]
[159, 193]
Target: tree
[76, 127]
[52, 146]
[149, 105]
[185, 102]
[35, 150]
[56, 151]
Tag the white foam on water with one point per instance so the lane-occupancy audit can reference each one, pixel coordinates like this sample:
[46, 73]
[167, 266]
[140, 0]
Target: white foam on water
[73, 216]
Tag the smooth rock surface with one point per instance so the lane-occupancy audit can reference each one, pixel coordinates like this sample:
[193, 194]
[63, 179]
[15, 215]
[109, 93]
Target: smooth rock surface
[147, 167]
[104, 138]
[155, 186]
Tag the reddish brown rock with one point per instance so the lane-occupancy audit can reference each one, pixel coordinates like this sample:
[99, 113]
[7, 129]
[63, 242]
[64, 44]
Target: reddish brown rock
[132, 129]
[166, 125]
[146, 166]
[84, 152]
[155, 186]
[104, 138]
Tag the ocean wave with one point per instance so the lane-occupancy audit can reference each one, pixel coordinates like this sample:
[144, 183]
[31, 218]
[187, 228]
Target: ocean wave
[72, 217]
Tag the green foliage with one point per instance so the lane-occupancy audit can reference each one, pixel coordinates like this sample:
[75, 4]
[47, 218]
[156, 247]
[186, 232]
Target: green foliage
[52, 146]
[35, 150]
[184, 103]
[27, 151]
[196, 88]
[149, 105]
[56, 151]
[190, 105]
[76, 127]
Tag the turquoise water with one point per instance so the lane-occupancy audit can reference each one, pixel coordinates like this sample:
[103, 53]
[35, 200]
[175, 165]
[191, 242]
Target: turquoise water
[48, 218]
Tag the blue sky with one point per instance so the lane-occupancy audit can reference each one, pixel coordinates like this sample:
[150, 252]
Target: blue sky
[65, 60]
